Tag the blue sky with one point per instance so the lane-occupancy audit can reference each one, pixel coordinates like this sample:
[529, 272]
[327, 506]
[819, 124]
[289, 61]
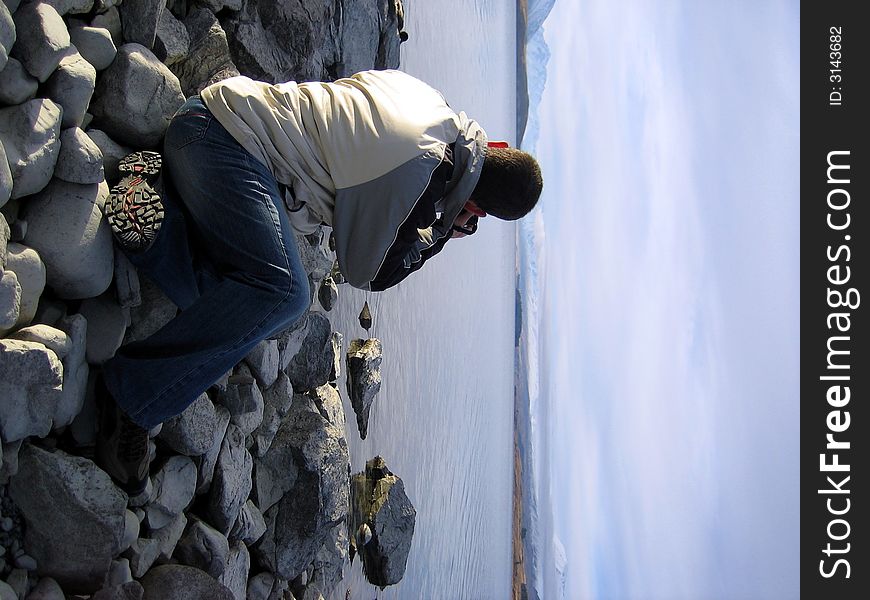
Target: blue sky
[669, 143]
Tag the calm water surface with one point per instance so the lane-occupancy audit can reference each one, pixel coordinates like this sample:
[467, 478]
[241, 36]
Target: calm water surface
[443, 418]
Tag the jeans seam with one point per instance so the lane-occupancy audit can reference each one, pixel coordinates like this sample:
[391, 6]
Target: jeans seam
[192, 372]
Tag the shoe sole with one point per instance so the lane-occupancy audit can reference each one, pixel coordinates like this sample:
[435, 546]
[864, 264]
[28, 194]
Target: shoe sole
[134, 209]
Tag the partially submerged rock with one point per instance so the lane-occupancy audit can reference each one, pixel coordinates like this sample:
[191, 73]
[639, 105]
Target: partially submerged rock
[363, 378]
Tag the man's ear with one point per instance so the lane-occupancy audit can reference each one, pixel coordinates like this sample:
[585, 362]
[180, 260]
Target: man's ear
[474, 209]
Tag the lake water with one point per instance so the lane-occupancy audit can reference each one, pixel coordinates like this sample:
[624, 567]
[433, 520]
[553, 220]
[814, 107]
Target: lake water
[444, 417]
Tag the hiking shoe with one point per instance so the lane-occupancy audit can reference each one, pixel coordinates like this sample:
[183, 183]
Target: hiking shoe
[122, 446]
[134, 209]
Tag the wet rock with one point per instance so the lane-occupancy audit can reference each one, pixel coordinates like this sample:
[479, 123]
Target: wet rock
[71, 86]
[30, 388]
[172, 42]
[30, 135]
[95, 45]
[363, 378]
[317, 497]
[174, 486]
[136, 97]
[277, 400]
[66, 227]
[74, 516]
[378, 500]
[250, 526]
[131, 590]
[139, 20]
[208, 58]
[203, 547]
[235, 575]
[16, 84]
[107, 324]
[80, 159]
[313, 364]
[42, 38]
[232, 480]
[112, 153]
[179, 582]
[263, 362]
[192, 432]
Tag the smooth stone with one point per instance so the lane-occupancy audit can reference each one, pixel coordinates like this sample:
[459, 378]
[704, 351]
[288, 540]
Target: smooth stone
[80, 159]
[16, 84]
[111, 151]
[107, 324]
[263, 362]
[95, 45]
[110, 20]
[66, 227]
[42, 38]
[30, 134]
[10, 301]
[31, 388]
[30, 272]
[46, 589]
[54, 339]
[71, 86]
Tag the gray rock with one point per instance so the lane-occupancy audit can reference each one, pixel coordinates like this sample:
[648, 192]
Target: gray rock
[330, 560]
[313, 364]
[74, 516]
[66, 227]
[16, 84]
[5, 233]
[317, 259]
[206, 463]
[136, 97]
[179, 582]
[9, 466]
[337, 342]
[71, 86]
[276, 400]
[75, 370]
[192, 432]
[139, 20]
[46, 589]
[95, 45]
[112, 153]
[250, 526]
[260, 586]
[80, 159]
[172, 42]
[327, 294]
[131, 532]
[243, 399]
[155, 311]
[131, 590]
[10, 301]
[107, 323]
[317, 499]
[363, 378]
[17, 580]
[110, 20]
[54, 339]
[378, 500]
[203, 547]
[126, 282]
[263, 362]
[208, 57]
[235, 575]
[290, 341]
[284, 40]
[42, 38]
[174, 486]
[142, 554]
[7, 35]
[119, 573]
[73, 7]
[232, 480]
[31, 388]
[216, 6]
[6, 590]
[30, 134]
[6, 185]
[167, 537]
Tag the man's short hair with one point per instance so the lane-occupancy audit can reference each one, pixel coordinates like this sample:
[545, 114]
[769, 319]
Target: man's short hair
[510, 183]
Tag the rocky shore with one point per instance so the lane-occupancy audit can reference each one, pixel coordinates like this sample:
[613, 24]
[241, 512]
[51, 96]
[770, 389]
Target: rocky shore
[250, 489]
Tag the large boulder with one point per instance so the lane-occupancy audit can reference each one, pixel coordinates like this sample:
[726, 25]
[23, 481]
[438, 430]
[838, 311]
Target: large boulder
[316, 498]
[80, 159]
[75, 517]
[31, 388]
[16, 84]
[363, 378]
[72, 86]
[172, 42]
[382, 521]
[139, 20]
[95, 45]
[66, 227]
[30, 134]
[207, 59]
[136, 97]
[180, 582]
[42, 38]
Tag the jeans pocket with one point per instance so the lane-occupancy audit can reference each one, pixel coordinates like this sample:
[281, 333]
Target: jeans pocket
[187, 127]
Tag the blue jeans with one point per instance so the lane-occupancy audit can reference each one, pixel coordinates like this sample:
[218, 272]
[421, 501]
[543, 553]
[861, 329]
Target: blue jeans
[225, 255]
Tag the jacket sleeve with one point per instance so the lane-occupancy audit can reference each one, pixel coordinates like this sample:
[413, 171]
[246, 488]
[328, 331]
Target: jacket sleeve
[403, 256]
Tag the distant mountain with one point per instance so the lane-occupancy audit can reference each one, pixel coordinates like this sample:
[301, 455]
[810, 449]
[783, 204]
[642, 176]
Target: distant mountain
[533, 54]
